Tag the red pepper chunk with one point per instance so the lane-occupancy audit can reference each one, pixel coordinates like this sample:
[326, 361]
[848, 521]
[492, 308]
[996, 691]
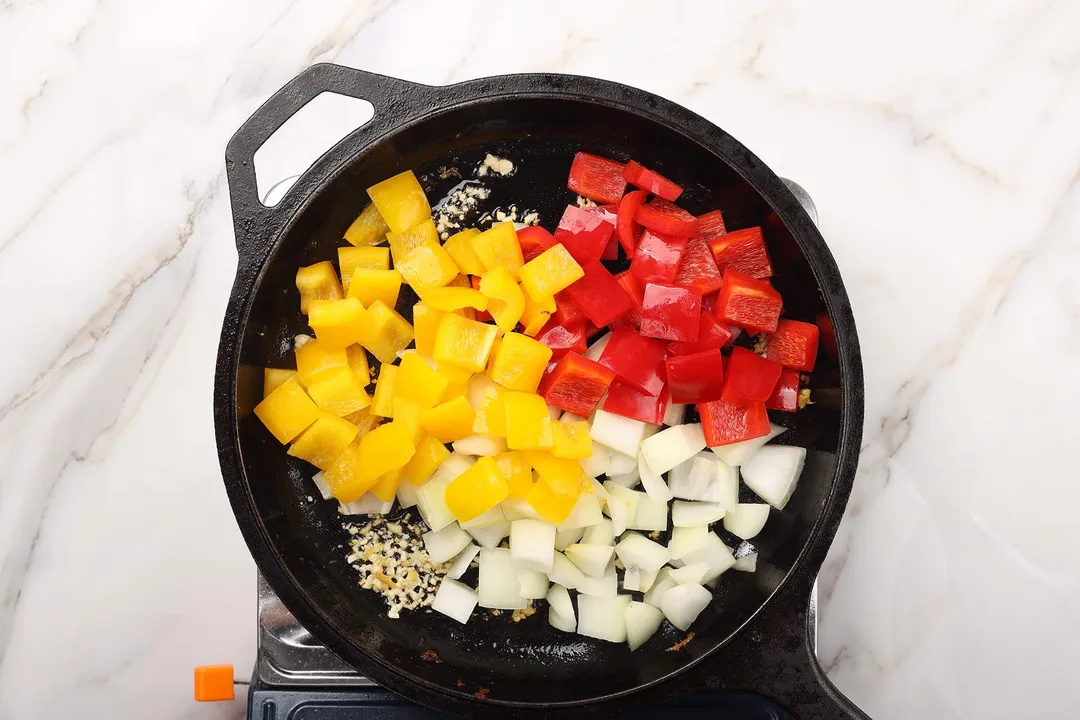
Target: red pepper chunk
[534, 240]
[793, 345]
[657, 257]
[567, 311]
[596, 178]
[599, 295]
[785, 396]
[563, 338]
[585, 232]
[637, 360]
[749, 303]
[742, 250]
[636, 291]
[712, 335]
[664, 217]
[750, 376]
[670, 313]
[627, 230]
[576, 384]
[696, 378]
[697, 267]
[637, 174]
[711, 225]
[724, 423]
[481, 315]
[627, 401]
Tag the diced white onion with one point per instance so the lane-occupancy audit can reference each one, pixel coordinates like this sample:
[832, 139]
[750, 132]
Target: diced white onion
[603, 587]
[687, 539]
[324, 489]
[640, 552]
[653, 484]
[671, 446]
[455, 600]
[586, 512]
[713, 553]
[590, 559]
[619, 511]
[559, 622]
[746, 520]
[598, 463]
[407, 494]
[693, 573]
[494, 516]
[489, 536]
[726, 488]
[566, 573]
[642, 622]
[638, 580]
[747, 560]
[674, 414]
[484, 445]
[630, 497]
[688, 514]
[773, 472]
[602, 533]
[369, 504]
[532, 544]
[518, 509]
[628, 481]
[617, 433]
[431, 496]
[461, 563]
[532, 584]
[622, 464]
[567, 536]
[739, 453]
[649, 514]
[498, 586]
[663, 583]
[444, 544]
[683, 603]
[603, 618]
[597, 348]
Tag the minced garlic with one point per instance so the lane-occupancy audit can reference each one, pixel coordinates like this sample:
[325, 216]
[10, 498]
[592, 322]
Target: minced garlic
[493, 164]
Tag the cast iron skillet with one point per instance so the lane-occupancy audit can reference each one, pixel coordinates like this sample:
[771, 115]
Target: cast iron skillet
[754, 636]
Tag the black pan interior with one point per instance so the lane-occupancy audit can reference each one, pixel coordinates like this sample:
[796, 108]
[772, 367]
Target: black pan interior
[526, 662]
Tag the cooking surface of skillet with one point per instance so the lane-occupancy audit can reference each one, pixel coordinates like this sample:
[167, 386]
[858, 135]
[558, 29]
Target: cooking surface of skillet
[538, 122]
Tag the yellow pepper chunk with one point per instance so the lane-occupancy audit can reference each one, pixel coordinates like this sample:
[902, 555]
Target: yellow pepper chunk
[346, 477]
[315, 356]
[368, 228]
[528, 425]
[403, 243]
[287, 411]
[536, 315]
[416, 381]
[317, 282]
[273, 378]
[324, 441]
[454, 375]
[401, 201]
[515, 466]
[519, 362]
[384, 333]
[430, 454]
[485, 397]
[463, 343]
[427, 268]
[477, 490]
[387, 447]
[385, 488]
[506, 302]
[364, 420]
[383, 402]
[499, 247]
[338, 392]
[425, 322]
[337, 323]
[571, 440]
[371, 285]
[408, 412]
[450, 420]
[549, 272]
[562, 475]
[359, 364]
[449, 299]
[552, 506]
[460, 248]
[350, 259]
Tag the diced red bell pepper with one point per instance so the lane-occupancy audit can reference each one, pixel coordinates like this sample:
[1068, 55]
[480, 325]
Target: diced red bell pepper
[664, 217]
[724, 423]
[599, 295]
[481, 315]
[637, 360]
[793, 345]
[748, 303]
[563, 338]
[712, 335]
[708, 302]
[785, 396]
[750, 376]
[695, 378]
[596, 178]
[567, 312]
[646, 179]
[670, 313]
[611, 252]
[657, 257]
[742, 250]
[698, 269]
[585, 232]
[623, 399]
[534, 240]
[711, 225]
[576, 384]
[627, 229]
[636, 291]
[828, 334]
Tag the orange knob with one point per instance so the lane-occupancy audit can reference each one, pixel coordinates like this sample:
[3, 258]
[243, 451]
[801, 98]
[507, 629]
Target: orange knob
[213, 683]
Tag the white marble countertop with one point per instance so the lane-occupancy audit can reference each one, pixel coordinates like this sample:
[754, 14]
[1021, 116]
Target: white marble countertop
[939, 139]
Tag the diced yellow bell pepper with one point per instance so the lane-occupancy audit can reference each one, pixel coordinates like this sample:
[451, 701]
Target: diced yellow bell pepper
[384, 333]
[317, 282]
[528, 425]
[455, 391]
[477, 490]
[425, 322]
[385, 488]
[561, 474]
[454, 375]
[571, 440]
[463, 343]
[518, 472]
[408, 412]
[338, 392]
[536, 315]
[382, 403]
[549, 272]
[460, 248]
[552, 506]
[387, 447]
[519, 362]
[273, 378]
[315, 356]
[371, 285]
[368, 228]
[484, 396]
[401, 201]
[450, 299]
[347, 478]
[427, 268]
[449, 421]
[364, 420]
[287, 411]
[499, 247]
[416, 381]
[359, 364]
[350, 259]
[430, 454]
[324, 441]
[506, 302]
[337, 323]
[403, 243]
[461, 281]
